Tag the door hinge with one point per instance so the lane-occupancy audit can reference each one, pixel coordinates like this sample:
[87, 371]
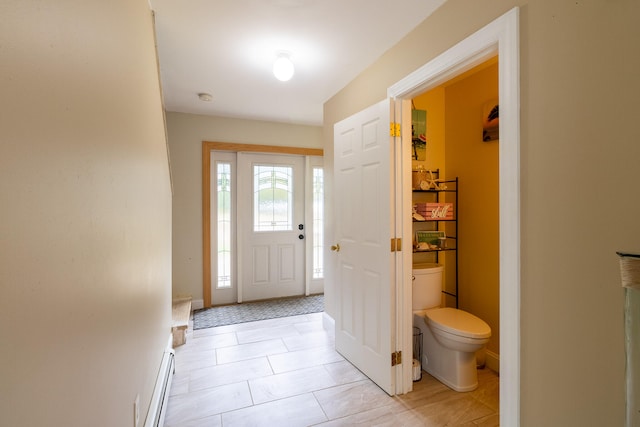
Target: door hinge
[396, 244]
[396, 358]
[394, 129]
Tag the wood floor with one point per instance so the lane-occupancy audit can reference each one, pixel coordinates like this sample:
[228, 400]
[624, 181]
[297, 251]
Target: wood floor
[285, 372]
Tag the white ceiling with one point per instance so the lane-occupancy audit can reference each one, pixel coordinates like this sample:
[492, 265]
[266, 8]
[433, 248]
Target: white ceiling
[227, 48]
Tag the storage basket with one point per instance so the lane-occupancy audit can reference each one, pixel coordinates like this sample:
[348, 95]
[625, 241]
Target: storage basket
[417, 177]
[630, 270]
[417, 354]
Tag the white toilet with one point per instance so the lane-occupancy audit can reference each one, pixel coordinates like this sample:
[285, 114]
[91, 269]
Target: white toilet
[451, 336]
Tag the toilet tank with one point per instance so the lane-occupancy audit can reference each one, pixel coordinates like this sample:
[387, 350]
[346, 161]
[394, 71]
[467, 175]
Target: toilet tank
[427, 285]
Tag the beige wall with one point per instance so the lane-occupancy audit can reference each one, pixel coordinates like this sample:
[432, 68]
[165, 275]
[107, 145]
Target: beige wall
[85, 229]
[579, 152]
[186, 133]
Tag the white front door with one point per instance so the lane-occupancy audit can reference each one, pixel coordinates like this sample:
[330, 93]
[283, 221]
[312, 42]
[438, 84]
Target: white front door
[271, 245]
[365, 287]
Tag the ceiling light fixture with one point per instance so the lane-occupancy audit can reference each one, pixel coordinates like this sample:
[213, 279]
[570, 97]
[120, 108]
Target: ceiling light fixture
[283, 67]
[206, 97]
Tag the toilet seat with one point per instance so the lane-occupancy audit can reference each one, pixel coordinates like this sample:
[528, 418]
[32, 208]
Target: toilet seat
[458, 322]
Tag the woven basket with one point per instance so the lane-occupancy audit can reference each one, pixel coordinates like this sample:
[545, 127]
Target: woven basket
[630, 270]
[417, 177]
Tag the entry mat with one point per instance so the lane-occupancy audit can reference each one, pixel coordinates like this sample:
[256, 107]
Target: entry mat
[252, 311]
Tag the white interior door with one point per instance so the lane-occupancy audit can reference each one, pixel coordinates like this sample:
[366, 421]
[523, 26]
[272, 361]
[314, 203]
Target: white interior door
[271, 246]
[365, 287]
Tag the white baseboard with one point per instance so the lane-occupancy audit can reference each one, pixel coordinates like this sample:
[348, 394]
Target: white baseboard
[197, 304]
[492, 361]
[158, 405]
[328, 324]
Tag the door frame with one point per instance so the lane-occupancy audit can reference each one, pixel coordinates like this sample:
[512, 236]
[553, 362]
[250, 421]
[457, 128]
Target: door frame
[500, 37]
[207, 148]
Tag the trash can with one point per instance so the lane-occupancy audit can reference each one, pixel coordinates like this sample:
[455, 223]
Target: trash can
[417, 354]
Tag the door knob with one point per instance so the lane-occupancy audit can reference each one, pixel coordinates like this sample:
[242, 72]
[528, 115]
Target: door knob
[336, 247]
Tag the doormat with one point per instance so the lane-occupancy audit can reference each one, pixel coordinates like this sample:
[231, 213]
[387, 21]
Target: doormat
[252, 311]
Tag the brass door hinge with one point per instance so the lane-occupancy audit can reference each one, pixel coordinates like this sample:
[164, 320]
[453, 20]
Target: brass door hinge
[396, 358]
[396, 244]
[394, 129]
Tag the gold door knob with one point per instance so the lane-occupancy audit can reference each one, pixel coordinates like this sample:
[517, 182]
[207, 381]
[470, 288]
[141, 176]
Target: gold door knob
[335, 247]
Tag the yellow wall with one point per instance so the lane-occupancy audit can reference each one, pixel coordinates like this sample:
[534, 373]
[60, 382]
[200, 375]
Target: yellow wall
[579, 93]
[454, 134]
[85, 228]
[433, 102]
[475, 163]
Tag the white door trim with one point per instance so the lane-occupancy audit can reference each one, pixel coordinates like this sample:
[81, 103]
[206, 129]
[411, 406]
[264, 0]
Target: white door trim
[500, 37]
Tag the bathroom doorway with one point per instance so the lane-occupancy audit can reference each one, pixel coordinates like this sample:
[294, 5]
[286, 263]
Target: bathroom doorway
[453, 144]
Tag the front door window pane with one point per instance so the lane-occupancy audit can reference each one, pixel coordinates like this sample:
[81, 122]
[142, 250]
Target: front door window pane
[272, 198]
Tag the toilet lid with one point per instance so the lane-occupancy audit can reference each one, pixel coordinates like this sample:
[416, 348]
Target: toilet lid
[458, 322]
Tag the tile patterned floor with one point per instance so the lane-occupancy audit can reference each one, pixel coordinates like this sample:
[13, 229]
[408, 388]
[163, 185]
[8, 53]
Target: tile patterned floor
[285, 372]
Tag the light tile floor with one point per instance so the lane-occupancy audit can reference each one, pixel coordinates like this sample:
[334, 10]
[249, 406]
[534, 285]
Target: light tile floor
[285, 372]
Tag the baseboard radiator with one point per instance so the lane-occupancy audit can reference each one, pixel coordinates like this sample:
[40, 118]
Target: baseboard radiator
[158, 405]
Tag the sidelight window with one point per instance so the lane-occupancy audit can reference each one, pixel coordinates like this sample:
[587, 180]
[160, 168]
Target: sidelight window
[224, 224]
[318, 223]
